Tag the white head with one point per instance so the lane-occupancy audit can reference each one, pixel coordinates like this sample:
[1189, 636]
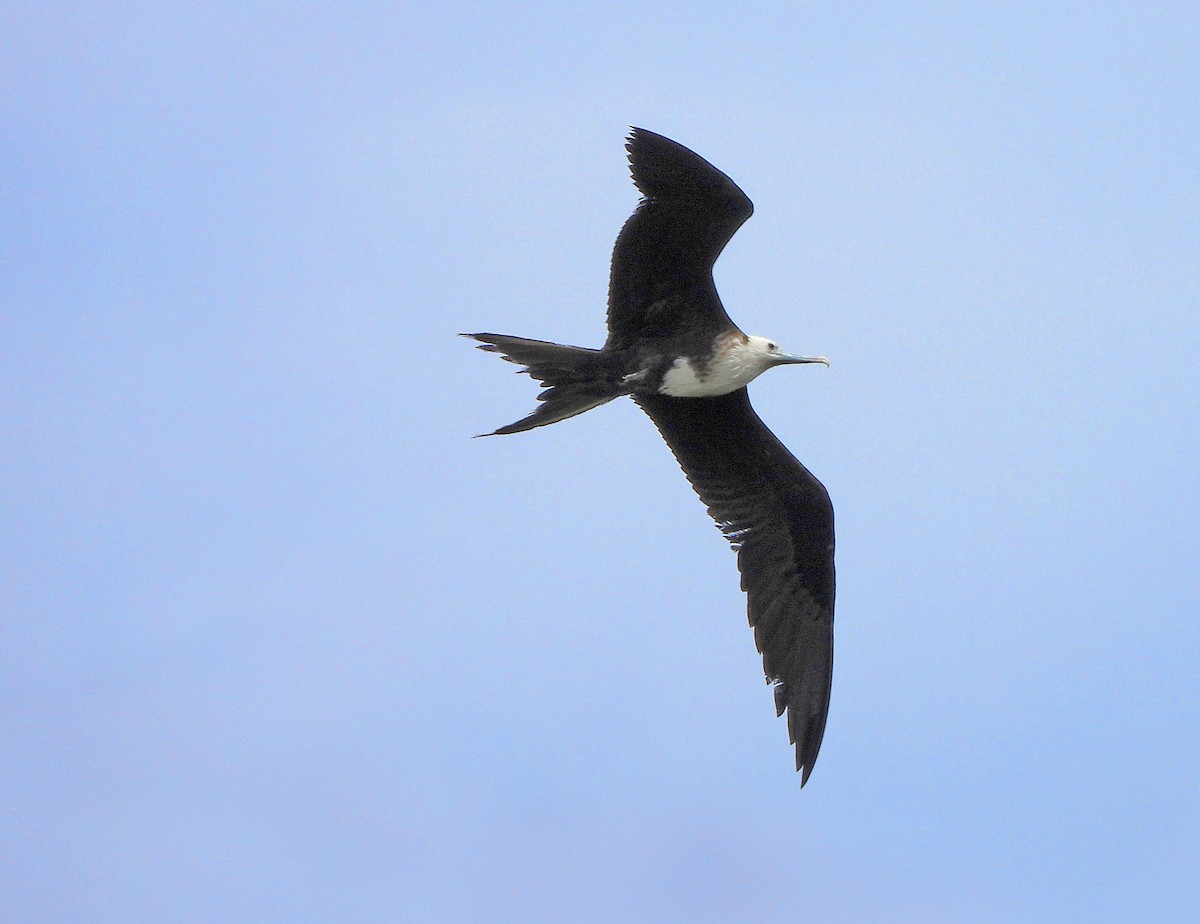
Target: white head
[738, 361]
[766, 353]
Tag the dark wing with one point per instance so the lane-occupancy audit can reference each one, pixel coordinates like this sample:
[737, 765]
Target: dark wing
[662, 264]
[779, 518]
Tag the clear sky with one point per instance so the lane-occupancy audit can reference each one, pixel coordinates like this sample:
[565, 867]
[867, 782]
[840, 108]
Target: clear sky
[280, 642]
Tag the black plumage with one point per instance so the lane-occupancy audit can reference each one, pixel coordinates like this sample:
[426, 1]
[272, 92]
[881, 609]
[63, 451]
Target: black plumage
[780, 520]
[669, 335]
[661, 284]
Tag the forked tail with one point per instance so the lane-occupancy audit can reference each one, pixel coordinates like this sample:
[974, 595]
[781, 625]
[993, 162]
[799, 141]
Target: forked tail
[574, 379]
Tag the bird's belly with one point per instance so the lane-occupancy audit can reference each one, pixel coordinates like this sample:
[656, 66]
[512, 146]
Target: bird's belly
[683, 381]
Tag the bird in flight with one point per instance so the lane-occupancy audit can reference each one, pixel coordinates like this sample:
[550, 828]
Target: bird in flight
[672, 348]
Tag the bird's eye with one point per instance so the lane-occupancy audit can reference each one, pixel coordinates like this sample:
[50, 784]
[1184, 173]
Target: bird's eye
[772, 347]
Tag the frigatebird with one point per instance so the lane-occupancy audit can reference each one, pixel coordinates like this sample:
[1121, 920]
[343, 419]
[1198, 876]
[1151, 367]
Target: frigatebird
[673, 349]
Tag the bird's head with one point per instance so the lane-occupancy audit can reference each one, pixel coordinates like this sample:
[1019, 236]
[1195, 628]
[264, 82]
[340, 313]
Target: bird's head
[767, 353]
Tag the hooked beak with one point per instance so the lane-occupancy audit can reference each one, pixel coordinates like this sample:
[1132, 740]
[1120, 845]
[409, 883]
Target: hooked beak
[784, 359]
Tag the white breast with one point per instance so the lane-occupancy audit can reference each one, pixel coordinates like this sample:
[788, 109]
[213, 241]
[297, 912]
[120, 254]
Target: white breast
[730, 370]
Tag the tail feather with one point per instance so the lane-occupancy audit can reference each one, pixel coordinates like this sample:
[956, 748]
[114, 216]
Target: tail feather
[575, 379]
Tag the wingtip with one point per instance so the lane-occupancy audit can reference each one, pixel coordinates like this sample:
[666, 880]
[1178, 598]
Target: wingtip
[805, 732]
[805, 761]
[663, 168]
[486, 342]
[632, 140]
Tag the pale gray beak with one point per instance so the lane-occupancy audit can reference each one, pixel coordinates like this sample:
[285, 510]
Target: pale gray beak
[782, 359]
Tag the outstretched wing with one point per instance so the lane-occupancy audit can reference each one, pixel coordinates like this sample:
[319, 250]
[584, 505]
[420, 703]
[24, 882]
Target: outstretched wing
[661, 280]
[780, 520]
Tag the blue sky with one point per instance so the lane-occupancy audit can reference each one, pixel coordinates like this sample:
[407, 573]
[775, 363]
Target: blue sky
[281, 642]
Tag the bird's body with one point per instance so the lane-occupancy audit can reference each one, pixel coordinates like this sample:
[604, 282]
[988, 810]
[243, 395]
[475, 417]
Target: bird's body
[674, 350]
